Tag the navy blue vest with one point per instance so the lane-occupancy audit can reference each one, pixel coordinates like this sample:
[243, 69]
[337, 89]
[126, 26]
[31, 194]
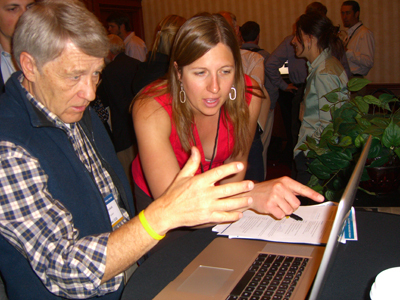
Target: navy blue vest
[68, 181]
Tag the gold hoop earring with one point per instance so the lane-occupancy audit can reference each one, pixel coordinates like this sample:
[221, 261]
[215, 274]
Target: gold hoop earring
[182, 93]
[234, 92]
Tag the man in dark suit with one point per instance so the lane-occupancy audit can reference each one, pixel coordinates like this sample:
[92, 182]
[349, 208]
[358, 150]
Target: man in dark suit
[116, 93]
[10, 11]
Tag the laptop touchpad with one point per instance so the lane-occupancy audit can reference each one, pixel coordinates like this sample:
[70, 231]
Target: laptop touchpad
[205, 280]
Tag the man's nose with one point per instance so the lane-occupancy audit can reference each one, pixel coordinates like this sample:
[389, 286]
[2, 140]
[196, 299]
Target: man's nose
[88, 89]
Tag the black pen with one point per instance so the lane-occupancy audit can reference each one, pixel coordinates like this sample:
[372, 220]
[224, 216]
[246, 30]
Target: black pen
[296, 217]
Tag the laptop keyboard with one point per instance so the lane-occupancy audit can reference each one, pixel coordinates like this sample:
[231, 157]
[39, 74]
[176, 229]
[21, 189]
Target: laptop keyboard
[270, 277]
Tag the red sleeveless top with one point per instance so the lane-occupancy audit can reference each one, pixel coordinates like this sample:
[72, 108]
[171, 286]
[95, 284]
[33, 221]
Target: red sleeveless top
[224, 150]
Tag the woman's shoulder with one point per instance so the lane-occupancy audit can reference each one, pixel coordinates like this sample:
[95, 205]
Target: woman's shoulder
[248, 80]
[152, 106]
[332, 66]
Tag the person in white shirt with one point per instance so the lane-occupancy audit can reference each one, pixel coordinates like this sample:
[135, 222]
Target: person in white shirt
[359, 40]
[119, 24]
[253, 65]
[10, 11]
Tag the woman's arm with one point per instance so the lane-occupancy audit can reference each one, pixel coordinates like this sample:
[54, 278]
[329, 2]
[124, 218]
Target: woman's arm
[153, 128]
[254, 111]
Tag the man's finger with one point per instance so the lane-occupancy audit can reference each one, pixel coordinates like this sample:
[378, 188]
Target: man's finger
[211, 176]
[232, 204]
[214, 175]
[231, 189]
[222, 217]
[192, 165]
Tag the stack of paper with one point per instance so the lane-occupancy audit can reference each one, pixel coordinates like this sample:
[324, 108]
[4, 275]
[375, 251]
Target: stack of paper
[313, 229]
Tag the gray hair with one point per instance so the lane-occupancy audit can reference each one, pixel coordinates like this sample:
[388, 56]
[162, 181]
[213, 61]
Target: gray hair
[44, 30]
[117, 45]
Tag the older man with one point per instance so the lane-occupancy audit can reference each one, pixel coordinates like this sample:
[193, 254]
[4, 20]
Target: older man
[66, 212]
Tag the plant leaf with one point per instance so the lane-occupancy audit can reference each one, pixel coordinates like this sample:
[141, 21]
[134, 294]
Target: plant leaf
[363, 123]
[326, 107]
[359, 141]
[375, 148]
[355, 84]
[332, 97]
[361, 104]
[330, 195]
[312, 145]
[380, 122]
[303, 147]
[365, 176]
[346, 141]
[312, 154]
[335, 160]
[387, 98]
[372, 100]
[397, 151]
[318, 188]
[319, 170]
[379, 162]
[375, 131]
[313, 181]
[337, 184]
[391, 136]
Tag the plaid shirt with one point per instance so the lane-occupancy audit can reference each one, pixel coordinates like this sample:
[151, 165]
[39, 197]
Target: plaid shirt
[42, 229]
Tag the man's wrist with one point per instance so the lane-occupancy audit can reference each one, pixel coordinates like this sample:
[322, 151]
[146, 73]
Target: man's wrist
[156, 219]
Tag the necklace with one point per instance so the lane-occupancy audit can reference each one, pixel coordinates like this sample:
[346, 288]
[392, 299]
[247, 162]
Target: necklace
[348, 40]
[215, 145]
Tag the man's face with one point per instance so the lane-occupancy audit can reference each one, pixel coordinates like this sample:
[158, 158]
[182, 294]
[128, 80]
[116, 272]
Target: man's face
[67, 84]
[10, 11]
[349, 18]
[113, 28]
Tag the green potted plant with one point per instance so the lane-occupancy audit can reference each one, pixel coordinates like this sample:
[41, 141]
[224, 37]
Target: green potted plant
[341, 142]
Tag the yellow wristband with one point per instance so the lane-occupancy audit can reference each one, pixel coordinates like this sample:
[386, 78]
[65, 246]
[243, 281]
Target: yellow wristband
[148, 228]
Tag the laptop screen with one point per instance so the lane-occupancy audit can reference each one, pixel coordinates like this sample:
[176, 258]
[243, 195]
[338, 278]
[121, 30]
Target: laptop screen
[342, 213]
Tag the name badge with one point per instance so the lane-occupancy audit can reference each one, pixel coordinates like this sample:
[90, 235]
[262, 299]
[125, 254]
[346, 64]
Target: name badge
[113, 210]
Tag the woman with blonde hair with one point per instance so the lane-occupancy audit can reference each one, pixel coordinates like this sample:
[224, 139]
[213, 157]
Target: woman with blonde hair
[157, 63]
[206, 102]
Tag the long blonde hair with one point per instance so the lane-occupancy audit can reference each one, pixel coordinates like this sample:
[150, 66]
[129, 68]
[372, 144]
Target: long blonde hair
[195, 38]
[165, 34]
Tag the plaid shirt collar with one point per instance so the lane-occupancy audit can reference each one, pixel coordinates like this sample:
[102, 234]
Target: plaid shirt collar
[44, 112]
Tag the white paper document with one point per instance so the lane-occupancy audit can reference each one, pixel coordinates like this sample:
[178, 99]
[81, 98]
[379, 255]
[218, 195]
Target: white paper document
[314, 229]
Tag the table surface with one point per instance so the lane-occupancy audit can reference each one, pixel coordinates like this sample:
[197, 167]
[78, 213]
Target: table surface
[354, 270]
[363, 199]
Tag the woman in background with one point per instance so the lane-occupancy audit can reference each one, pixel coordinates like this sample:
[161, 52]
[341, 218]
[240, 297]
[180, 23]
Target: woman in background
[316, 40]
[157, 63]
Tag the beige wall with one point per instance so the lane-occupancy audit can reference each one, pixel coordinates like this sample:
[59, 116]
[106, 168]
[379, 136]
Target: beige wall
[276, 18]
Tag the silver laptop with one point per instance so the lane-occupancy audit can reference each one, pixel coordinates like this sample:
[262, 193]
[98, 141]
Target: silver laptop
[239, 268]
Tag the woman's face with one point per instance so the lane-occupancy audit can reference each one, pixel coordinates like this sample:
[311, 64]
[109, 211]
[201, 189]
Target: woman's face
[208, 80]
[298, 47]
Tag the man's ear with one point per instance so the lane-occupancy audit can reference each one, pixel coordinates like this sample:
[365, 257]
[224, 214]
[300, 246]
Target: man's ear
[357, 15]
[28, 66]
[177, 71]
